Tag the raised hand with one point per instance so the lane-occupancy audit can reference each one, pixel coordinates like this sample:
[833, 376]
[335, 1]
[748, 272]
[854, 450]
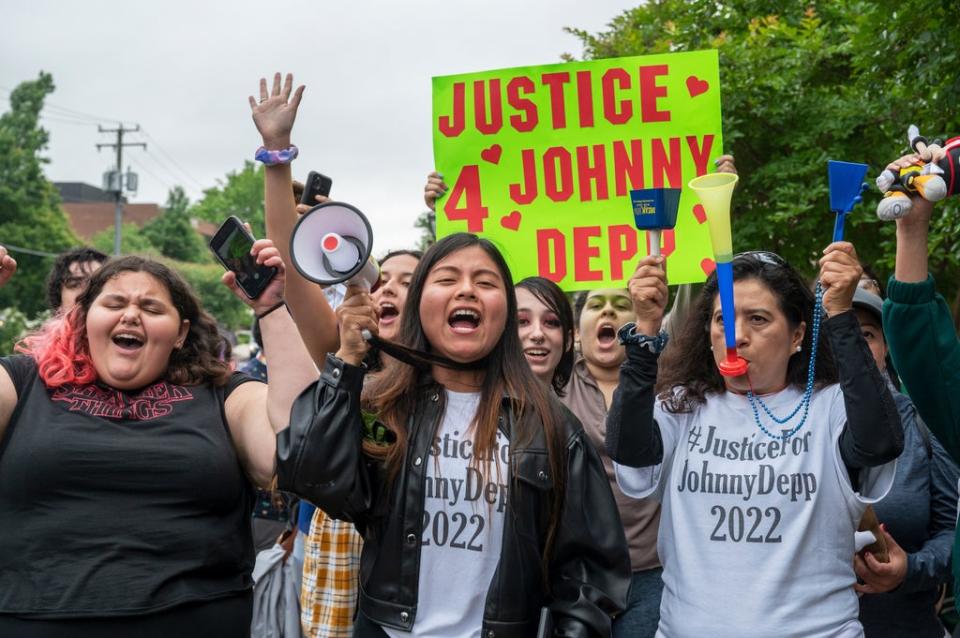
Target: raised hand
[8, 266]
[920, 209]
[276, 111]
[725, 164]
[840, 273]
[356, 314]
[648, 289]
[265, 253]
[434, 190]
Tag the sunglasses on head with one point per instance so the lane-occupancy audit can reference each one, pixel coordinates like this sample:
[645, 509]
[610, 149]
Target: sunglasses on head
[764, 257]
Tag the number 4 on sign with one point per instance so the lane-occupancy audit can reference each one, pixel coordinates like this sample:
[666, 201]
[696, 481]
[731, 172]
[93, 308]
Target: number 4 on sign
[467, 189]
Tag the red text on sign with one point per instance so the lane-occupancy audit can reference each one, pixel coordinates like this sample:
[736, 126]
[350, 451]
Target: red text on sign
[626, 94]
[577, 252]
[586, 172]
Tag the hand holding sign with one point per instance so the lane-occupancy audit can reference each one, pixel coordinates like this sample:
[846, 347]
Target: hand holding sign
[434, 190]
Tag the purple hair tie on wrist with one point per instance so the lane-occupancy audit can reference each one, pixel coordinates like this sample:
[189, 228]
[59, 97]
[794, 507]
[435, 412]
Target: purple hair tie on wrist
[278, 156]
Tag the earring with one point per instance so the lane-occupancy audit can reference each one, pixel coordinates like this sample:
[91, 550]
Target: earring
[799, 348]
[711, 348]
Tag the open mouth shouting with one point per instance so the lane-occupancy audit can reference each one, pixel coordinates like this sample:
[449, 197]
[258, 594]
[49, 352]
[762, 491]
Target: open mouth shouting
[389, 313]
[606, 336]
[464, 321]
[128, 341]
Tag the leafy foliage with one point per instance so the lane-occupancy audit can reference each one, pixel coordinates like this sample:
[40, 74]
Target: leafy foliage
[14, 325]
[172, 233]
[30, 214]
[426, 222]
[241, 195]
[133, 241]
[803, 83]
[216, 298]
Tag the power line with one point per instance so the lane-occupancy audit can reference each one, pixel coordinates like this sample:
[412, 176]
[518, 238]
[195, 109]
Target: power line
[151, 173]
[58, 120]
[169, 157]
[67, 115]
[67, 111]
[28, 251]
[118, 192]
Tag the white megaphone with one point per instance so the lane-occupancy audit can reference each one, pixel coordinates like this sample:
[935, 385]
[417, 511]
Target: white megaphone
[331, 244]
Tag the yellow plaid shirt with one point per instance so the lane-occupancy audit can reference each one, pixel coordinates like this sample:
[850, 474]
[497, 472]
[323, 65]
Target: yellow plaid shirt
[331, 578]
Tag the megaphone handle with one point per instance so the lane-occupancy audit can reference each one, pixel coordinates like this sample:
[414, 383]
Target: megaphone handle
[838, 227]
[653, 236]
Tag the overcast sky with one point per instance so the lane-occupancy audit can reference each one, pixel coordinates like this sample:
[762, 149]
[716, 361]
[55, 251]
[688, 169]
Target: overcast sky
[183, 71]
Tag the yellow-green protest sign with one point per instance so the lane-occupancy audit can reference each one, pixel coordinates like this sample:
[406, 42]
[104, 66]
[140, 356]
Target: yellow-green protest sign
[541, 160]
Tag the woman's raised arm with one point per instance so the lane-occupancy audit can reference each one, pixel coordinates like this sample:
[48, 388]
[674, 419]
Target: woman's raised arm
[274, 115]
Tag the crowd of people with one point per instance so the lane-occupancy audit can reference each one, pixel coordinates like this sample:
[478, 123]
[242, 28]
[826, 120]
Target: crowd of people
[455, 455]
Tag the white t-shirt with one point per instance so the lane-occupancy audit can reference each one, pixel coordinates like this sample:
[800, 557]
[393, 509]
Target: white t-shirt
[462, 527]
[757, 536]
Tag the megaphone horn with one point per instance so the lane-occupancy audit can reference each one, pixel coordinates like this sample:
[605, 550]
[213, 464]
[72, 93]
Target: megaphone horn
[331, 244]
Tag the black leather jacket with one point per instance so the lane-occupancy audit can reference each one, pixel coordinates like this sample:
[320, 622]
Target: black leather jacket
[320, 458]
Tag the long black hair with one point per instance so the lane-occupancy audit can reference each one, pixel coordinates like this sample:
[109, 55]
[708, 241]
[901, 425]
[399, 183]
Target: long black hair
[687, 368]
[550, 295]
[394, 396]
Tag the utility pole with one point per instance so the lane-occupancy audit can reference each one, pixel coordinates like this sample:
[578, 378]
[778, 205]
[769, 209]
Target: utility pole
[117, 186]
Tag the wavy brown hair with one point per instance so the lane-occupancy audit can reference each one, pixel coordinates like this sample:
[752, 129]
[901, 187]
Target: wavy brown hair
[394, 396]
[687, 371]
[198, 361]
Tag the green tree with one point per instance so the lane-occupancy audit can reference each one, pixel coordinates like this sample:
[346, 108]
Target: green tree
[30, 213]
[172, 233]
[803, 83]
[217, 299]
[133, 241]
[426, 222]
[240, 195]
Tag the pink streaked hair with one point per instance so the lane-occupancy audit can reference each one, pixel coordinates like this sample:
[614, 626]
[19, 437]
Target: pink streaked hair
[60, 350]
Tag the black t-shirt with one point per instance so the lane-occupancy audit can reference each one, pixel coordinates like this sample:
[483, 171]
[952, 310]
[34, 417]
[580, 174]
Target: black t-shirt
[116, 503]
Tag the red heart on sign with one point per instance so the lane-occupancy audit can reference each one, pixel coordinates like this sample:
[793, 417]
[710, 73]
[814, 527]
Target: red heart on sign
[707, 265]
[700, 214]
[511, 221]
[491, 154]
[696, 86]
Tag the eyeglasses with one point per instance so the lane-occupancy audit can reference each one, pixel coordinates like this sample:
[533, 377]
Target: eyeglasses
[764, 257]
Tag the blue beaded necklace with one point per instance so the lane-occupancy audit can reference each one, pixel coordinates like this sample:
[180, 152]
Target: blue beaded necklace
[807, 392]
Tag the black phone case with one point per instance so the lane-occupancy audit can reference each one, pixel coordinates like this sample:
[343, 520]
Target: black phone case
[316, 184]
[252, 287]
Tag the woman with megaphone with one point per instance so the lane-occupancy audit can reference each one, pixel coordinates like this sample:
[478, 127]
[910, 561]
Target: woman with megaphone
[482, 504]
[763, 477]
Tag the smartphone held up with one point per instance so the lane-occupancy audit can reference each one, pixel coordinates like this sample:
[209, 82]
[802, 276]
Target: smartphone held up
[231, 246]
[316, 184]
